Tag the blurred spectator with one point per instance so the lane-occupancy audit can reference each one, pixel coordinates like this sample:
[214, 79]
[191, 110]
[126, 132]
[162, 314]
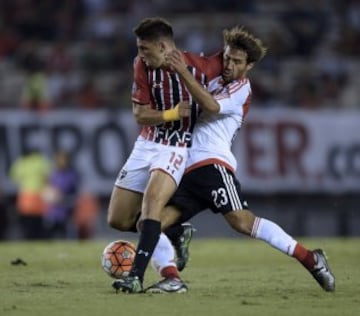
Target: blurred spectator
[350, 96]
[261, 94]
[9, 42]
[98, 33]
[331, 89]
[306, 91]
[307, 24]
[60, 89]
[30, 173]
[85, 216]
[60, 195]
[95, 6]
[95, 57]
[119, 53]
[59, 59]
[103, 26]
[88, 96]
[349, 41]
[4, 215]
[69, 17]
[279, 46]
[59, 69]
[35, 90]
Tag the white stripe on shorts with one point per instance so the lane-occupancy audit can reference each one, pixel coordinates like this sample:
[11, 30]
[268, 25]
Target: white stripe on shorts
[230, 187]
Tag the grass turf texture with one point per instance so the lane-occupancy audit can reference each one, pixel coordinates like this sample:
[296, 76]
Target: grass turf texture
[225, 277]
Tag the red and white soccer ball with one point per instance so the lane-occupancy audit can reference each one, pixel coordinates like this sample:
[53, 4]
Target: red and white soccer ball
[117, 258]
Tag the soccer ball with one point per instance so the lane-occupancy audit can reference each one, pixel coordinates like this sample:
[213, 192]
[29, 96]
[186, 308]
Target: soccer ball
[117, 258]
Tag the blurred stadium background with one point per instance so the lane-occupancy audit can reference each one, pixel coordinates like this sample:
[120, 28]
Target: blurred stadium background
[65, 82]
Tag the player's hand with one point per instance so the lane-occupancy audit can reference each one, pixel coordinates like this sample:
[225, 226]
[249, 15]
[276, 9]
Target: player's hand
[175, 60]
[184, 109]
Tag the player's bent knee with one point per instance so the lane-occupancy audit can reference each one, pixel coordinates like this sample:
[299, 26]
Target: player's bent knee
[120, 224]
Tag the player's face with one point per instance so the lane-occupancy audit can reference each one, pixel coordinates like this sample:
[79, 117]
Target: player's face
[151, 52]
[235, 64]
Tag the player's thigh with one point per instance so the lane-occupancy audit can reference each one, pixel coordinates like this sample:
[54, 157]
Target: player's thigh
[124, 208]
[159, 190]
[134, 175]
[186, 203]
[166, 172]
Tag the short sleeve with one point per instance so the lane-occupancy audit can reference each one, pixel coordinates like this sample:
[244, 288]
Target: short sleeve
[140, 89]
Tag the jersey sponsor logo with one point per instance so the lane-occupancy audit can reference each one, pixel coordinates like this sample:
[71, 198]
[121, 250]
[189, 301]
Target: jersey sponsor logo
[172, 137]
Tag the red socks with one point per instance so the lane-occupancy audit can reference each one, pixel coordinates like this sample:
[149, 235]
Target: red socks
[305, 256]
[170, 272]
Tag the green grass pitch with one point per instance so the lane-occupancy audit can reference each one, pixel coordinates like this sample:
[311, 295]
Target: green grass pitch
[226, 277]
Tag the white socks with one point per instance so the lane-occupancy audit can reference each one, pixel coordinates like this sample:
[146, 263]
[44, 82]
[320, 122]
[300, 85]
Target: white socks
[263, 229]
[274, 235]
[164, 254]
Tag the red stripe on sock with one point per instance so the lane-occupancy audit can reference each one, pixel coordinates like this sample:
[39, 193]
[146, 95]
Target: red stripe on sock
[170, 272]
[305, 256]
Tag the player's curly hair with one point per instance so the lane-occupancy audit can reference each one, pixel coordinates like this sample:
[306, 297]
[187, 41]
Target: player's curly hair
[154, 28]
[240, 38]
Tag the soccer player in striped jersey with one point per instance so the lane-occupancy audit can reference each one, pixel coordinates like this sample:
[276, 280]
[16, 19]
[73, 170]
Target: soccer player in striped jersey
[154, 169]
[209, 180]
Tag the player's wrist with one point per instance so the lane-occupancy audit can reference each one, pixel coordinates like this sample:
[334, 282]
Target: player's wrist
[171, 115]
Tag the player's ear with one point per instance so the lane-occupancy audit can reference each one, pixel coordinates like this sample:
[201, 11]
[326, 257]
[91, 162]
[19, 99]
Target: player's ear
[162, 46]
[249, 66]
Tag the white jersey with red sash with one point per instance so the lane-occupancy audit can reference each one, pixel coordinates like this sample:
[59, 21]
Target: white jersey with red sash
[214, 133]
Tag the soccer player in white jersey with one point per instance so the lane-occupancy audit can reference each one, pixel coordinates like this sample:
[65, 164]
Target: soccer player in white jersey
[154, 169]
[209, 180]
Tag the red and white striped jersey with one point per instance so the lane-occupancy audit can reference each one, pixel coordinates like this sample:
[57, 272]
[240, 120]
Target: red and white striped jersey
[213, 134]
[163, 89]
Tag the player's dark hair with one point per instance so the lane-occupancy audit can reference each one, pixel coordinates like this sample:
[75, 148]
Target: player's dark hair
[239, 38]
[151, 29]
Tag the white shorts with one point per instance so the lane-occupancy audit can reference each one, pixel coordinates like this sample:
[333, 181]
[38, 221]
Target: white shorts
[147, 156]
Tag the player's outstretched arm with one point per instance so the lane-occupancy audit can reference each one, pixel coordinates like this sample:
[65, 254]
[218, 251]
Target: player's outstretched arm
[176, 61]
